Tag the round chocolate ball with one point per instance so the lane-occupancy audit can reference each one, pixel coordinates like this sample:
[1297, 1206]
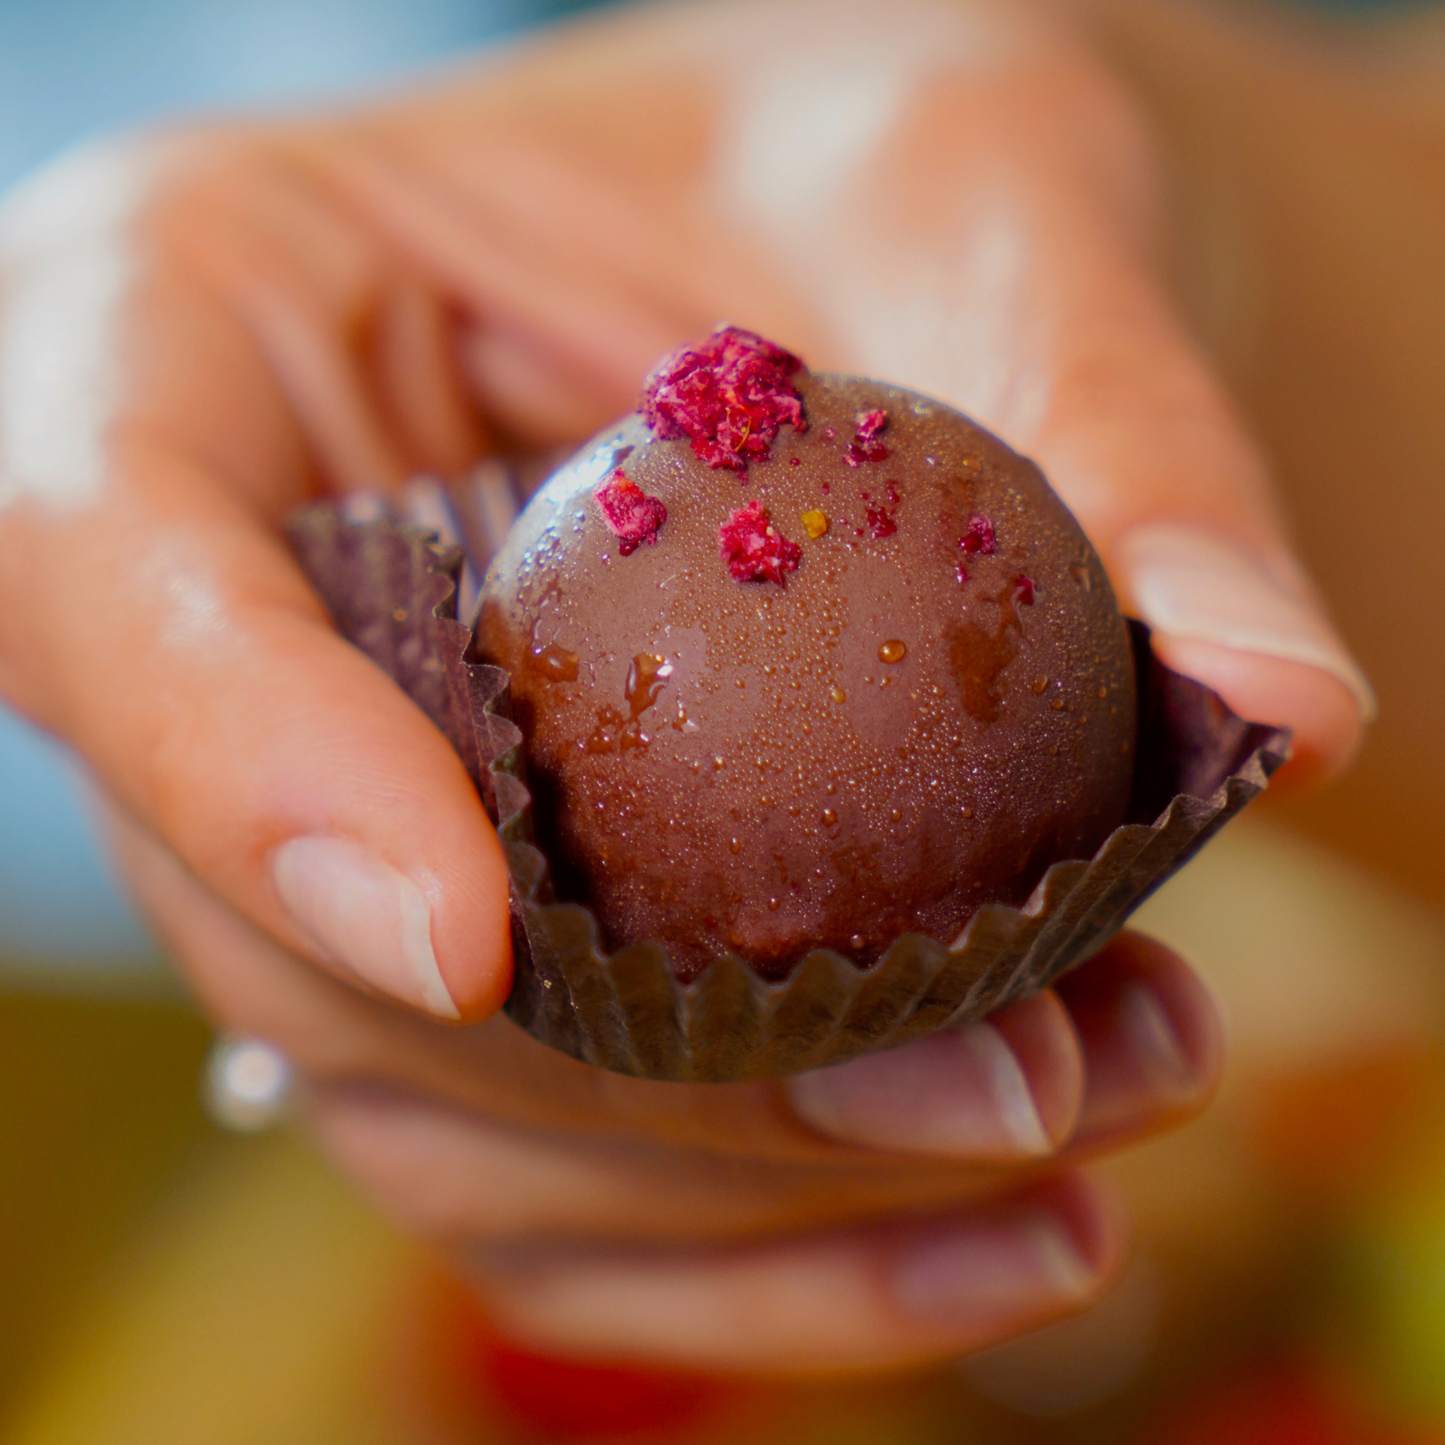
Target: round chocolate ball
[806, 661]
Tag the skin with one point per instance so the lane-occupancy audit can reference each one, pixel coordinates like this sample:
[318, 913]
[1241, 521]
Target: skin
[494, 263]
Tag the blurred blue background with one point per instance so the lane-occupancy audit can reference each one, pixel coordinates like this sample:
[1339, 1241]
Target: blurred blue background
[68, 70]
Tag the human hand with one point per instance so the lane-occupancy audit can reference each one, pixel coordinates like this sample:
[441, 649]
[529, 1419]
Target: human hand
[202, 330]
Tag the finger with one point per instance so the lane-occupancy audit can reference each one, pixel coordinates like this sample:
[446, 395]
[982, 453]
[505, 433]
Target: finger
[1140, 442]
[184, 657]
[531, 194]
[606, 343]
[1005, 1088]
[1130, 1042]
[1265, 685]
[170, 638]
[250, 984]
[454, 1176]
[894, 1294]
[419, 381]
[359, 346]
[1152, 1040]
[534, 404]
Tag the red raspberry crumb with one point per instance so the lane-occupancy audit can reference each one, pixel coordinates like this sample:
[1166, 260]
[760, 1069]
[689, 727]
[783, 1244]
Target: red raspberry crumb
[865, 446]
[979, 537]
[729, 394]
[1024, 590]
[882, 522]
[754, 549]
[633, 516]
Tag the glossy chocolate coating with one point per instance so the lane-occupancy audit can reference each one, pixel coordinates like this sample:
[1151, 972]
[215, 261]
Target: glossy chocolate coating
[874, 748]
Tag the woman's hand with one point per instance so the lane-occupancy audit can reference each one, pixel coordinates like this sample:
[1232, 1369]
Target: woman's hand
[201, 330]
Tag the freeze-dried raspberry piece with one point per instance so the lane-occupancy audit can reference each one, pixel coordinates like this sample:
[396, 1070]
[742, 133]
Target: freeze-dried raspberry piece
[633, 516]
[881, 521]
[979, 537]
[754, 549]
[1024, 590]
[865, 446]
[728, 394]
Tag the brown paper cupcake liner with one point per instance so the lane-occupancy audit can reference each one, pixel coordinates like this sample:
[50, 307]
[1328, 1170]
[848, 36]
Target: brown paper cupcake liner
[392, 589]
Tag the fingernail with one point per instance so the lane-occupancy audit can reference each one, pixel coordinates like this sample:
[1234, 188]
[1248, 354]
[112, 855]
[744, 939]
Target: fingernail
[962, 1092]
[992, 1271]
[1155, 1047]
[363, 915]
[1191, 583]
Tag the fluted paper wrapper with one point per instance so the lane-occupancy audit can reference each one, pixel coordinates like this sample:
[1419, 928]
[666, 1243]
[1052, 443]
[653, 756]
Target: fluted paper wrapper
[392, 589]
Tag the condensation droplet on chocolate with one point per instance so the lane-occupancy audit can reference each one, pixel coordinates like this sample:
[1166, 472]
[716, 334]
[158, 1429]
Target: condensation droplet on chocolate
[554, 662]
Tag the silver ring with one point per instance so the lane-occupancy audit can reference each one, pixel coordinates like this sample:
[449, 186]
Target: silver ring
[247, 1084]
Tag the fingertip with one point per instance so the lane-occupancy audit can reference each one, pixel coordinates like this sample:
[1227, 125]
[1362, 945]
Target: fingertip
[374, 922]
[1239, 616]
[1041, 1037]
[472, 933]
[1326, 717]
[1152, 1035]
[1030, 1257]
[302, 785]
[1094, 1219]
[1005, 1088]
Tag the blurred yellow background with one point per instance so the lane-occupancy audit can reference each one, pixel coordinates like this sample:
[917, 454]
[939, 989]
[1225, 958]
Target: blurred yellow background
[173, 1284]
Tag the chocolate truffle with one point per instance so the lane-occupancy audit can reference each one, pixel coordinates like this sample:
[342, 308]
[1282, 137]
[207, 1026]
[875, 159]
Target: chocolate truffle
[806, 661]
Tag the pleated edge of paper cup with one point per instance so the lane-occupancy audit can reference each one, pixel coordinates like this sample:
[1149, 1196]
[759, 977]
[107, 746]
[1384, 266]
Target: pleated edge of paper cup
[391, 590]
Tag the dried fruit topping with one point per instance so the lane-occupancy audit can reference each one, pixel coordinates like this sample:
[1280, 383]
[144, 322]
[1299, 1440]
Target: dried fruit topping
[633, 516]
[1024, 590]
[881, 522]
[815, 523]
[979, 537]
[865, 446]
[753, 548]
[728, 394]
